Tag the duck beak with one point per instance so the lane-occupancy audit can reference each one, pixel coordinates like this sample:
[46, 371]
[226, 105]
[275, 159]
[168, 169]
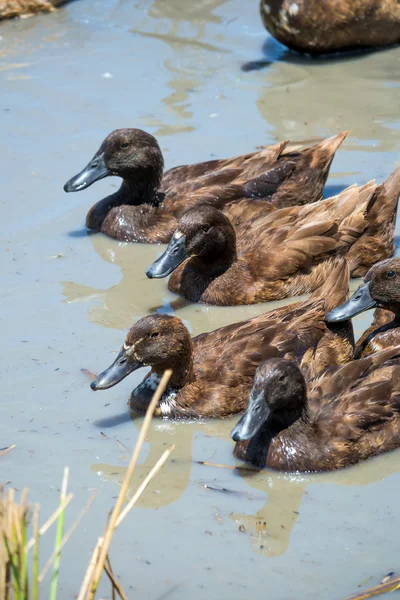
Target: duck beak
[360, 301]
[252, 420]
[173, 256]
[115, 373]
[94, 171]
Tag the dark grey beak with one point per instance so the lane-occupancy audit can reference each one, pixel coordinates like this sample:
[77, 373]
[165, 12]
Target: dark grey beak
[94, 171]
[173, 256]
[252, 420]
[360, 301]
[115, 373]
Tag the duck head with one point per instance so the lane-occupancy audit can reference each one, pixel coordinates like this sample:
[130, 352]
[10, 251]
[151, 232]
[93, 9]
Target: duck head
[203, 232]
[158, 341]
[278, 394]
[131, 154]
[381, 289]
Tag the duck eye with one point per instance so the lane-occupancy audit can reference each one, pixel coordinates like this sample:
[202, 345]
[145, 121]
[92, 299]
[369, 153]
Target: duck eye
[154, 334]
[205, 227]
[391, 274]
[125, 145]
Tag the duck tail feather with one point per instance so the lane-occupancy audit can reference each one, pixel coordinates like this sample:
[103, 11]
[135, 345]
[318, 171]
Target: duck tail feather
[382, 208]
[332, 143]
[335, 288]
[377, 241]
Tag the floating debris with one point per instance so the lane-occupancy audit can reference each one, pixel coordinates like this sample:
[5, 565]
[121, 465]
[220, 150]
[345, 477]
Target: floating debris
[4, 451]
[89, 374]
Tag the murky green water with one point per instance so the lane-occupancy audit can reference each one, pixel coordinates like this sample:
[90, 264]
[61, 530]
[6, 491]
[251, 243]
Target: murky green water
[207, 81]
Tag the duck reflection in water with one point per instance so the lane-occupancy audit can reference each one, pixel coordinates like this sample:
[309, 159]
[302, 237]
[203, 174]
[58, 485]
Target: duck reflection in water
[265, 525]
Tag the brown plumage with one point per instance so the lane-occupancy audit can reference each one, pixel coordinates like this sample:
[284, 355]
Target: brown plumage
[380, 289]
[321, 26]
[228, 262]
[149, 204]
[213, 372]
[377, 243]
[349, 414]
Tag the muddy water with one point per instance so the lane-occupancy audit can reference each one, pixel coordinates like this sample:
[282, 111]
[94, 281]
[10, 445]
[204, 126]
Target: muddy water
[207, 81]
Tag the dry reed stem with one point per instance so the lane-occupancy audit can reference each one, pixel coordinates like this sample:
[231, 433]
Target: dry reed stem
[108, 564]
[125, 484]
[382, 588]
[50, 520]
[87, 580]
[3, 452]
[35, 559]
[114, 582]
[144, 484]
[67, 536]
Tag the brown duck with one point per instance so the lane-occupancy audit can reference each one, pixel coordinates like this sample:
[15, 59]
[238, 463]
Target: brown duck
[349, 414]
[322, 26]
[148, 204]
[213, 372]
[381, 289]
[217, 261]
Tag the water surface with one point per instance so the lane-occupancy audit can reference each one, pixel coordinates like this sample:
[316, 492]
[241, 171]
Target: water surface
[207, 81]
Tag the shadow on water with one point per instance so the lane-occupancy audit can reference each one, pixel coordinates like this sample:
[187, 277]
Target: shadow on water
[273, 52]
[79, 233]
[173, 306]
[115, 420]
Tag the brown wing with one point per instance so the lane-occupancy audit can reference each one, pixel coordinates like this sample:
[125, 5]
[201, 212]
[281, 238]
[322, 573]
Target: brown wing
[298, 176]
[186, 180]
[295, 239]
[378, 241]
[312, 168]
[234, 351]
[359, 403]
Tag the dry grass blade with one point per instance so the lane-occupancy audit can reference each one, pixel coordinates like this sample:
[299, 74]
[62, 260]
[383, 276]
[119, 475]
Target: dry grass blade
[144, 484]
[113, 590]
[3, 452]
[87, 580]
[50, 520]
[382, 588]
[66, 537]
[114, 582]
[125, 484]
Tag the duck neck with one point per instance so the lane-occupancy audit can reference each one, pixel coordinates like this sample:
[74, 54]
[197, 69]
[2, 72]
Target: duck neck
[181, 365]
[141, 187]
[276, 444]
[395, 309]
[289, 420]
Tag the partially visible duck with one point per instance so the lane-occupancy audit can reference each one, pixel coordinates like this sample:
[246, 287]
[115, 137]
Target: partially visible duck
[25, 8]
[349, 414]
[281, 254]
[149, 203]
[381, 289]
[322, 26]
[213, 372]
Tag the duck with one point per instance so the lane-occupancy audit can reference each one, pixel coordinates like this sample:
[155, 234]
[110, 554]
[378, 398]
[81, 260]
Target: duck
[326, 26]
[215, 260]
[348, 414]
[147, 206]
[213, 372]
[25, 8]
[381, 291]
